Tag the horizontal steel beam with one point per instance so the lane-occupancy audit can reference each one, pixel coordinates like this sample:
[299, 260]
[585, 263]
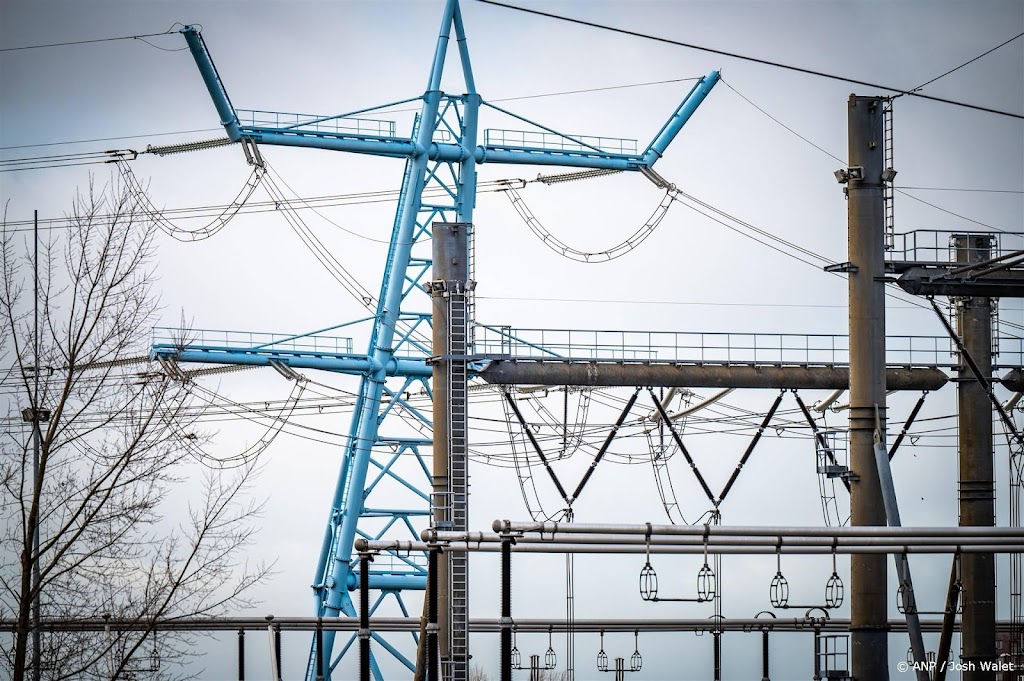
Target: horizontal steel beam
[476, 624]
[608, 374]
[774, 541]
[296, 359]
[619, 547]
[438, 151]
[934, 281]
[583, 372]
[905, 532]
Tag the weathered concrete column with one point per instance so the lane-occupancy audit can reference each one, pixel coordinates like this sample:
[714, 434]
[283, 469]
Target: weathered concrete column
[977, 485]
[869, 648]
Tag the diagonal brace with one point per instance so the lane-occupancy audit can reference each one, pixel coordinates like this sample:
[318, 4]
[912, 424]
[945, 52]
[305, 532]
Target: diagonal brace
[750, 447]
[682, 448]
[604, 448]
[982, 380]
[536, 445]
[906, 426]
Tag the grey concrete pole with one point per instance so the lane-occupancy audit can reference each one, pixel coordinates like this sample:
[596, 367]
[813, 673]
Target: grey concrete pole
[449, 290]
[977, 489]
[869, 647]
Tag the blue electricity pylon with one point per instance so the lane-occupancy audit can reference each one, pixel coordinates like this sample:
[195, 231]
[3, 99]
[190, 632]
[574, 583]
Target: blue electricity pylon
[441, 157]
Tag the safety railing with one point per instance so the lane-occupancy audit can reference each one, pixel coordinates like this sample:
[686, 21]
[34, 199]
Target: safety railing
[948, 246]
[718, 348]
[250, 118]
[536, 139]
[168, 337]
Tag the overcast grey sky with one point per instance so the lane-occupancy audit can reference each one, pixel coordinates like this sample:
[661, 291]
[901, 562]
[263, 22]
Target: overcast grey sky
[690, 275]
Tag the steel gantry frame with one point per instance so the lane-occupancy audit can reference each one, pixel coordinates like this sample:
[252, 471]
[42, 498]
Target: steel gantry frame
[441, 156]
[399, 342]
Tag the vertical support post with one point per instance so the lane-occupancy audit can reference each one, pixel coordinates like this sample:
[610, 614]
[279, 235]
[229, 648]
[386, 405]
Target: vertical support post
[364, 617]
[275, 649]
[866, 209]
[36, 482]
[764, 656]
[449, 290]
[717, 652]
[817, 654]
[432, 652]
[319, 649]
[977, 490]
[277, 654]
[241, 655]
[506, 609]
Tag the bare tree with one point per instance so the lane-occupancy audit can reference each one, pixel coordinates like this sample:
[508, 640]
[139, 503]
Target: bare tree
[113, 443]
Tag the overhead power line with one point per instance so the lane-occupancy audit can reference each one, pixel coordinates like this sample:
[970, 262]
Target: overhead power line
[898, 189]
[969, 61]
[297, 203]
[957, 215]
[110, 139]
[86, 42]
[756, 60]
[140, 36]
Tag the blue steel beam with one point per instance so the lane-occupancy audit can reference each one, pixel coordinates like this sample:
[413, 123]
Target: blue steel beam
[197, 46]
[682, 114]
[358, 365]
[389, 582]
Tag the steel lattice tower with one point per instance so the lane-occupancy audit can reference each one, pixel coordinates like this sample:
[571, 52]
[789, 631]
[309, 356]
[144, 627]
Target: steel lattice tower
[441, 156]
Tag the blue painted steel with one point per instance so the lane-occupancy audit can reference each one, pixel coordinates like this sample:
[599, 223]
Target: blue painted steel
[343, 364]
[452, 167]
[389, 582]
[678, 120]
[435, 151]
[559, 157]
[197, 46]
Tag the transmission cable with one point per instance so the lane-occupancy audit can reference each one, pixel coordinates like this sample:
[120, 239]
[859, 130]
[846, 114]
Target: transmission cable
[95, 40]
[567, 251]
[898, 189]
[755, 60]
[252, 452]
[957, 215]
[306, 204]
[889, 291]
[63, 160]
[300, 203]
[749, 236]
[156, 216]
[317, 247]
[969, 61]
[751, 103]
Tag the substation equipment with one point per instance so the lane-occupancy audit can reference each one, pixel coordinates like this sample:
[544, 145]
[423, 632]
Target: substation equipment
[424, 335]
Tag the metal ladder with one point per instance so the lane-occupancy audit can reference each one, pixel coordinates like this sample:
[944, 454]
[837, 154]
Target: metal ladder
[888, 192]
[458, 480]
